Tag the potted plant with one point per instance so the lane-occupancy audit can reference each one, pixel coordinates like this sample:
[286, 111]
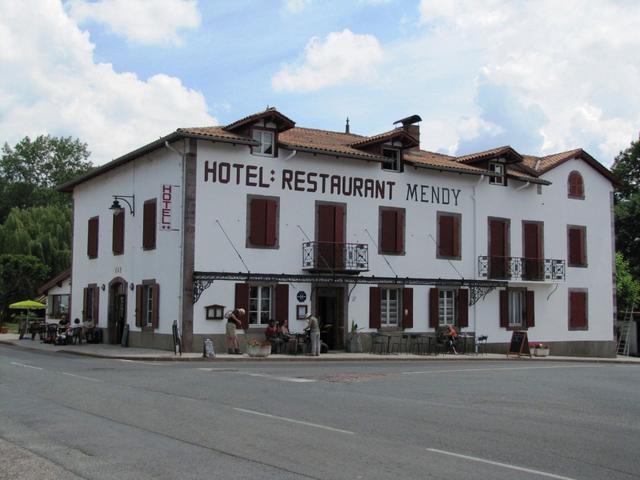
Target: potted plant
[258, 348]
[539, 349]
[354, 343]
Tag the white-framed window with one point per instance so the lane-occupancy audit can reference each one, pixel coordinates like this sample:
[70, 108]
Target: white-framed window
[497, 168]
[392, 163]
[147, 307]
[260, 304]
[266, 138]
[447, 306]
[389, 307]
[517, 305]
[59, 306]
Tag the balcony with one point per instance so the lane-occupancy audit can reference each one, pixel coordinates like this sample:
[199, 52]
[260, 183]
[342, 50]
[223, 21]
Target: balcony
[328, 257]
[521, 269]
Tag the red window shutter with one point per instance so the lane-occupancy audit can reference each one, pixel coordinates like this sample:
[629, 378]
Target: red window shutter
[96, 305]
[374, 307]
[242, 301]
[92, 237]
[325, 223]
[445, 242]
[576, 185]
[282, 302]
[388, 231]
[407, 308]
[339, 224]
[504, 309]
[85, 292]
[434, 311]
[155, 306]
[138, 305]
[399, 231]
[271, 223]
[258, 221]
[577, 250]
[117, 245]
[456, 236]
[531, 317]
[149, 225]
[583, 247]
[463, 308]
[577, 310]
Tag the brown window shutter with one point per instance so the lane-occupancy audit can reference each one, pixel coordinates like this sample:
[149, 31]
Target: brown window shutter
[577, 310]
[155, 305]
[282, 302]
[85, 292]
[463, 308]
[445, 242]
[388, 231]
[399, 231]
[271, 223]
[339, 223]
[583, 247]
[92, 237]
[117, 244]
[374, 307]
[242, 301]
[258, 221]
[96, 305]
[504, 309]
[149, 225]
[407, 308]
[577, 246]
[434, 310]
[138, 305]
[456, 236]
[531, 312]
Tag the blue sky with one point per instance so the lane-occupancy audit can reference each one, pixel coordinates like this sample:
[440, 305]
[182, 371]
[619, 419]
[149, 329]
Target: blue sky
[542, 76]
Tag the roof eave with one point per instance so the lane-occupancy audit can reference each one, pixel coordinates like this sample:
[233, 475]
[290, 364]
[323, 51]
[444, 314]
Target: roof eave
[443, 168]
[332, 153]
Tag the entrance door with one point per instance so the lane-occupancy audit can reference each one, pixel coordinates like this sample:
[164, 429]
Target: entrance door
[330, 236]
[499, 248]
[117, 311]
[329, 312]
[532, 248]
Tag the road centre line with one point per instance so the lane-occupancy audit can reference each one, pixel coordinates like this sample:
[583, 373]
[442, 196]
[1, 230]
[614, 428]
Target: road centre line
[81, 377]
[498, 464]
[291, 420]
[282, 379]
[18, 364]
[497, 369]
[209, 369]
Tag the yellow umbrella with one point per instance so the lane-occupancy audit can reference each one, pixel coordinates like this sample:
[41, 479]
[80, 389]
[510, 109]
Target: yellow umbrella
[26, 305]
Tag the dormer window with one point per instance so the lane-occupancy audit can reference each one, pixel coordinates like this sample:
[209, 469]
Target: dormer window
[266, 139]
[392, 163]
[497, 168]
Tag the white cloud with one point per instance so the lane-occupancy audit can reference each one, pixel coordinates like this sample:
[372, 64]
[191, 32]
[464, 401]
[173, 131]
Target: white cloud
[343, 57]
[51, 84]
[140, 21]
[295, 6]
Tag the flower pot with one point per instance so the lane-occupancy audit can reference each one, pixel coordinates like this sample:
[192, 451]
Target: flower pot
[258, 351]
[354, 345]
[540, 352]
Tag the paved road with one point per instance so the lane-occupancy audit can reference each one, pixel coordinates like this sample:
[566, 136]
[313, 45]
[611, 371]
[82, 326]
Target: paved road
[110, 419]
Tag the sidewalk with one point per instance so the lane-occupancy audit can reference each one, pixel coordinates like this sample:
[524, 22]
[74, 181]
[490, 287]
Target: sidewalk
[148, 354]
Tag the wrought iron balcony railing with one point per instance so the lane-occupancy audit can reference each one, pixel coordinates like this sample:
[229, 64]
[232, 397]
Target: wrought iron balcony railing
[519, 268]
[335, 257]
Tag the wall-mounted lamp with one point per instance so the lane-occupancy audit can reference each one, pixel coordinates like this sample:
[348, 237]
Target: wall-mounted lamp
[103, 287]
[131, 286]
[116, 207]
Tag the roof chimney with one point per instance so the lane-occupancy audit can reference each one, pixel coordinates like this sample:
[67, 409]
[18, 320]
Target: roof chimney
[409, 127]
[346, 127]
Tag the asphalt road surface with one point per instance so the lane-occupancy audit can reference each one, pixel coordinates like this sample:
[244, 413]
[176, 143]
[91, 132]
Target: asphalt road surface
[82, 418]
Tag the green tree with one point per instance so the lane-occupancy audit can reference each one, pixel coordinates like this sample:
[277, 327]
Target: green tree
[20, 277]
[627, 287]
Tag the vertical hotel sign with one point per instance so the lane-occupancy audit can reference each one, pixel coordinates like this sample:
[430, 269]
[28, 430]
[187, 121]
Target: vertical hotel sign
[167, 203]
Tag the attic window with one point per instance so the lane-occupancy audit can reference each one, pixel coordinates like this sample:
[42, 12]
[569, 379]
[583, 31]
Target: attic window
[497, 168]
[392, 163]
[266, 139]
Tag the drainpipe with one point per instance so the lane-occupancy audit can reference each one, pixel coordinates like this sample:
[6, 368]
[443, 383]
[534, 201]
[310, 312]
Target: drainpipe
[475, 248]
[181, 245]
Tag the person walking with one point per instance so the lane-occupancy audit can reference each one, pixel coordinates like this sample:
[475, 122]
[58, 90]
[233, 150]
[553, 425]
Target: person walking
[233, 323]
[314, 334]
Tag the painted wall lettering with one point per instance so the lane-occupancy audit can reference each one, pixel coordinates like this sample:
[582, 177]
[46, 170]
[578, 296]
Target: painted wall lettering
[302, 181]
[432, 194]
[166, 206]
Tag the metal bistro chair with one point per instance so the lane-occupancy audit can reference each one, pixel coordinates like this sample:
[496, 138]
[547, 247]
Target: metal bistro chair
[379, 343]
[418, 344]
[481, 344]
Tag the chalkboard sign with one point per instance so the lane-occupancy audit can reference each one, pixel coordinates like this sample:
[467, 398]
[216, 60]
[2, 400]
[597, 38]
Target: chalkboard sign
[519, 344]
[177, 341]
[124, 341]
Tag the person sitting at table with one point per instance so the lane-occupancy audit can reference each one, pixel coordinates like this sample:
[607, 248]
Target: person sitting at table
[271, 334]
[88, 327]
[452, 338]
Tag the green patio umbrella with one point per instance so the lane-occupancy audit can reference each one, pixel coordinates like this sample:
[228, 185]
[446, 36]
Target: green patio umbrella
[27, 305]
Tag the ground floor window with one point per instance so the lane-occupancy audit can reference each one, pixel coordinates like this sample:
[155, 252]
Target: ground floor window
[447, 306]
[516, 308]
[260, 304]
[148, 304]
[389, 306]
[59, 306]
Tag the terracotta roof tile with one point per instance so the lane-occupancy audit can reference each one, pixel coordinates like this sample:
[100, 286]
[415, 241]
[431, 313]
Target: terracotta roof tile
[474, 157]
[439, 161]
[324, 141]
[381, 137]
[269, 112]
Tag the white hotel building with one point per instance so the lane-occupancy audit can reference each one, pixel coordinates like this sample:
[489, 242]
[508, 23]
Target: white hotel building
[285, 220]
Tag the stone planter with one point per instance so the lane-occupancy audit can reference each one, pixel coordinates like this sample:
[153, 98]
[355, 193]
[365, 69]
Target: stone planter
[540, 352]
[354, 344]
[258, 351]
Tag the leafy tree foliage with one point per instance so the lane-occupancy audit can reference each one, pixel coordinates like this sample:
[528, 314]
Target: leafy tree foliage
[627, 288]
[627, 168]
[20, 276]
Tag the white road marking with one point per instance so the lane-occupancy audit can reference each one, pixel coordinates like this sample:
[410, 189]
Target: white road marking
[138, 361]
[82, 377]
[282, 379]
[499, 369]
[17, 364]
[291, 420]
[498, 464]
[217, 369]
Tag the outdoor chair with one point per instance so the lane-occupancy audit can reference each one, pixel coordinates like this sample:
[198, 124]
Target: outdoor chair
[379, 343]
